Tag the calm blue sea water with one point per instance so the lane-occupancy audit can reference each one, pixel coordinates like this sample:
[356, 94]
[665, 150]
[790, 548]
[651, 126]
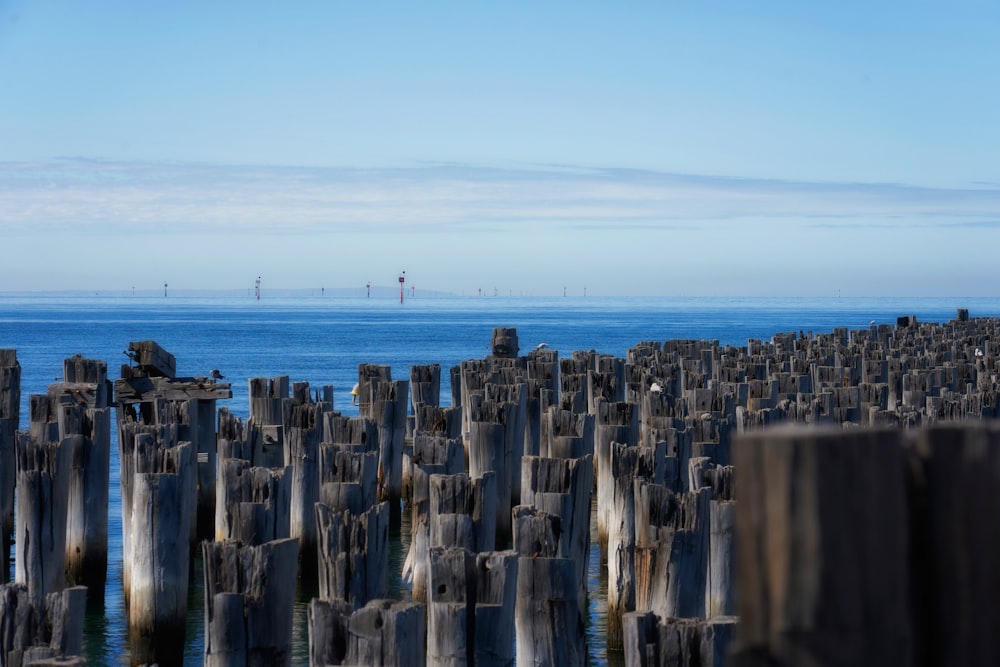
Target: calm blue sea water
[322, 340]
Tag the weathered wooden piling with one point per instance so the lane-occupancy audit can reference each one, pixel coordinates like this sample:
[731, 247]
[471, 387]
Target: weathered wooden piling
[654, 641]
[824, 572]
[548, 623]
[513, 395]
[425, 390]
[328, 626]
[614, 422]
[240, 484]
[568, 434]
[671, 550]
[387, 633]
[249, 596]
[605, 381]
[353, 554]
[496, 601]
[564, 487]
[133, 437]
[303, 458]
[720, 589]
[77, 411]
[150, 392]
[10, 410]
[463, 512]
[348, 479]
[955, 542]
[159, 565]
[471, 608]
[43, 471]
[436, 455]
[388, 410]
[628, 464]
[488, 454]
[574, 394]
[49, 628]
[87, 506]
[451, 606]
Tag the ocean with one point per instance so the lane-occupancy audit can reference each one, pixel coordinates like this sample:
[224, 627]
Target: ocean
[323, 339]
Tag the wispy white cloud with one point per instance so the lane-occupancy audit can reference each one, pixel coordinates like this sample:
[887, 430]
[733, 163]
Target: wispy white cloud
[142, 197]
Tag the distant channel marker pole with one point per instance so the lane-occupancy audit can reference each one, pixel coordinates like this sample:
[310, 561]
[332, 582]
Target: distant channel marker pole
[402, 279]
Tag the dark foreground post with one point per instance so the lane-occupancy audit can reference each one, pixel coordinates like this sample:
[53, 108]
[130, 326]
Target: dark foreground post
[10, 409]
[41, 632]
[651, 640]
[823, 572]
[383, 632]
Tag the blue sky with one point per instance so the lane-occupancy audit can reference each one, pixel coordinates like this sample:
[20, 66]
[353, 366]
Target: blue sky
[771, 148]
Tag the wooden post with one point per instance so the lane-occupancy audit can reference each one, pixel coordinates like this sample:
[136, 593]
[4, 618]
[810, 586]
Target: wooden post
[303, 447]
[8, 477]
[463, 512]
[157, 602]
[504, 343]
[388, 633]
[425, 390]
[87, 504]
[249, 597]
[202, 420]
[353, 554]
[369, 376]
[548, 624]
[339, 465]
[451, 606]
[496, 597]
[605, 382]
[564, 487]
[239, 483]
[438, 421]
[813, 564]
[388, 409]
[43, 486]
[955, 537]
[437, 456]
[132, 438]
[651, 640]
[10, 410]
[328, 627]
[615, 422]
[671, 550]
[41, 631]
[488, 453]
[570, 434]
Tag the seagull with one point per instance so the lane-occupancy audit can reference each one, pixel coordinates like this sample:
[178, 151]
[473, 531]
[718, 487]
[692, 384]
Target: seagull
[979, 352]
[655, 388]
[872, 323]
[541, 346]
[215, 374]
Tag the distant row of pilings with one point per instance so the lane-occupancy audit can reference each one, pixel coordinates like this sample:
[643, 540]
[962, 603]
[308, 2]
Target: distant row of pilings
[866, 459]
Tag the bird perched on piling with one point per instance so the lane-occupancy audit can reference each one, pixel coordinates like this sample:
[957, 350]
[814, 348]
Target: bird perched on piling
[541, 346]
[215, 374]
[655, 388]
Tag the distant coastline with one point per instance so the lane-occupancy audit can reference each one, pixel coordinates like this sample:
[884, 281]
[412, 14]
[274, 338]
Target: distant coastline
[301, 292]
